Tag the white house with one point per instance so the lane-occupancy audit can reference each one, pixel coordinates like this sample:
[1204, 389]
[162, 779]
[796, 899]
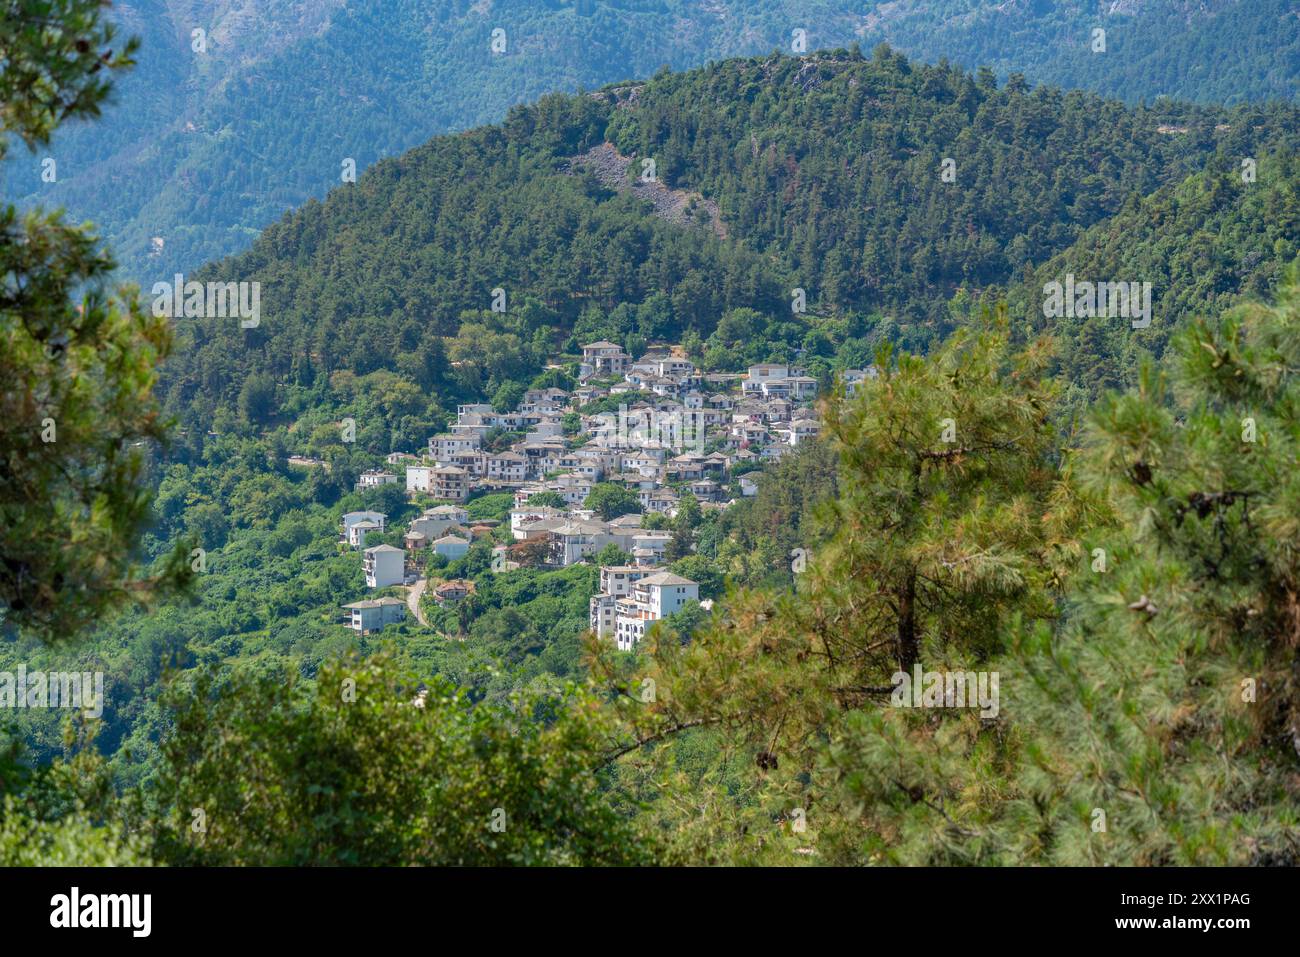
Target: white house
[528, 514]
[451, 547]
[374, 614]
[652, 598]
[419, 478]
[853, 378]
[507, 467]
[352, 518]
[373, 478]
[616, 582]
[648, 546]
[384, 565]
[803, 429]
[358, 531]
[761, 375]
[445, 447]
[575, 540]
[605, 358]
[435, 522]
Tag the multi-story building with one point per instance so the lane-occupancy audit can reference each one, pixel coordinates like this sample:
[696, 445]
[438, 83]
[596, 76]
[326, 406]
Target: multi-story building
[444, 447]
[450, 482]
[525, 515]
[507, 467]
[346, 536]
[419, 478]
[374, 614]
[575, 540]
[384, 565]
[604, 358]
[651, 599]
[358, 531]
[616, 582]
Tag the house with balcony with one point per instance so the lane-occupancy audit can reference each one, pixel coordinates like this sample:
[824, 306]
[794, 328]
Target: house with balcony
[450, 482]
[376, 522]
[443, 448]
[374, 614]
[576, 540]
[651, 599]
[507, 467]
[604, 358]
[384, 565]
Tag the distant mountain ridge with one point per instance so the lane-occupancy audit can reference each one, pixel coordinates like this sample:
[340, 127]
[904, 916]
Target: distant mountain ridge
[207, 147]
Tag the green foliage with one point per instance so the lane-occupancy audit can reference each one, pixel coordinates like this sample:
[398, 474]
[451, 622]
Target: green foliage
[494, 506]
[77, 361]
[70, 841]
[53, 54]
[353, 771]
[547, 500]
[610, 501]
[873, 134]
[950, 517]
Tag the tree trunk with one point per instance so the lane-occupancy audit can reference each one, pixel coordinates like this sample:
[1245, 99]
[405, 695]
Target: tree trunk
[907, 643]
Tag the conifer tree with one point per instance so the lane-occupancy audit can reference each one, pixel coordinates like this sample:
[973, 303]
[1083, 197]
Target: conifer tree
[77, 363]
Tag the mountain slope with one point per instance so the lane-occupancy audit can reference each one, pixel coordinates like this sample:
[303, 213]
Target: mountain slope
[1203, 244]
[1206, 51]
[205, 147]
[827, 175]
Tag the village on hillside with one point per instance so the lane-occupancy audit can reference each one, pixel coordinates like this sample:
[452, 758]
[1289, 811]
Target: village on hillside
[659, 428]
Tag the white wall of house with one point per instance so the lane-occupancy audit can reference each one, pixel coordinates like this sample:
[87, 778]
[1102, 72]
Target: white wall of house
[384, 566]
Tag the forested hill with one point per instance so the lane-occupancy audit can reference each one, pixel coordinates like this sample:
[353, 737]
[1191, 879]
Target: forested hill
[238, 112]
[1209, 51]
[1203, 244]
[829, 175]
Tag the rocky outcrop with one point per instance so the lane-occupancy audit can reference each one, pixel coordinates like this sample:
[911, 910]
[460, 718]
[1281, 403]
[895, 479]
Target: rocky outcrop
[679, 206]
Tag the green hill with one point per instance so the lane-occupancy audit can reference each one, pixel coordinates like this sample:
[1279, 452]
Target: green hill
[215, 136]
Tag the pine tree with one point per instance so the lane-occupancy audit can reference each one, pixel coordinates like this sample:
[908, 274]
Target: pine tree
[952, 517]
[77, 364]
[1162, 725]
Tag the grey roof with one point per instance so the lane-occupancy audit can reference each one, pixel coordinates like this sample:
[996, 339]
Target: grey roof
[375, 603]
[665, 578]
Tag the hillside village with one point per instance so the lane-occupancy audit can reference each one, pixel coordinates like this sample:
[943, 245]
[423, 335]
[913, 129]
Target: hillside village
[655, 426]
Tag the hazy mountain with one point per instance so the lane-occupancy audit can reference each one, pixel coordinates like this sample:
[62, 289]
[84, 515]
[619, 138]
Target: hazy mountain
[217, 133]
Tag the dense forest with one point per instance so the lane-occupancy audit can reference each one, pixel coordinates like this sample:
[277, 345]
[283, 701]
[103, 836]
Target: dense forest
[829, 174]
[218, 134]
[1071, 504]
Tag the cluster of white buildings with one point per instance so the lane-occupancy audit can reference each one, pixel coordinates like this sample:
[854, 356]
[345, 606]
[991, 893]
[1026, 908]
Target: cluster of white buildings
[678, 427]
[575, 534]
[677, 430]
